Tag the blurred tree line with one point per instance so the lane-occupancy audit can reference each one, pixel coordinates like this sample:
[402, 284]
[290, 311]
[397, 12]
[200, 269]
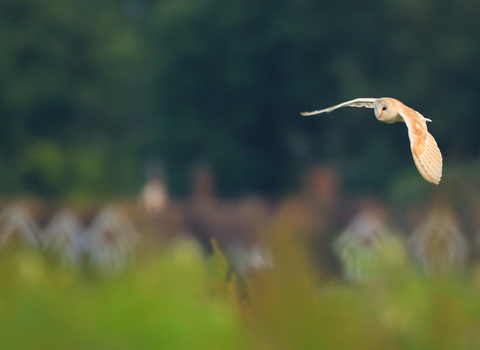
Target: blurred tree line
[89, 91]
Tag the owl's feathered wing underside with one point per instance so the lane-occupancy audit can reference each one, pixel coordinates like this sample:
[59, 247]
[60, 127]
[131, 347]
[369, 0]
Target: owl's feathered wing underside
[425, 152]
[358, 102]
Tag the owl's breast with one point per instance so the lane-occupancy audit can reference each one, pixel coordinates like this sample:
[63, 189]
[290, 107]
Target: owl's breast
[394, 119]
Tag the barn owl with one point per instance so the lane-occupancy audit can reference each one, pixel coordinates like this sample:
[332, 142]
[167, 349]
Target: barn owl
[425, 151]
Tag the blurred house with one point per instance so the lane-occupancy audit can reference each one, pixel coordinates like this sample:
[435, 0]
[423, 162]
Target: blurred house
[111, 241]
[18, 227]
[63, 237]
[438, 244]
[367, 246]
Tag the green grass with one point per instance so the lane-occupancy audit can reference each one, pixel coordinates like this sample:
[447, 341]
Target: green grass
[163, 303]
[175, 299]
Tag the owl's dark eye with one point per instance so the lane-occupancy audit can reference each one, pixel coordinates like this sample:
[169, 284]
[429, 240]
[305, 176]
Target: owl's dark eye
[384, 108]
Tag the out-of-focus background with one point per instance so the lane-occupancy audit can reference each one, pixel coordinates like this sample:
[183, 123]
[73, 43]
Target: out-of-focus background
[91, 91]
[160, 189]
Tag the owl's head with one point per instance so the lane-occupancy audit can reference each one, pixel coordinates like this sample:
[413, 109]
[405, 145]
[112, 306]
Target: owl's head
[384, 110]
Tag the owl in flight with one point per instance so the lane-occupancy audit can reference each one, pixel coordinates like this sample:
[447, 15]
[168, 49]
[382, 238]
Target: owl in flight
[425, 151]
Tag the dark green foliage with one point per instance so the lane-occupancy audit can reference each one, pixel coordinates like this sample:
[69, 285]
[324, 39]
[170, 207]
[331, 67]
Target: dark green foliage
[90, 90]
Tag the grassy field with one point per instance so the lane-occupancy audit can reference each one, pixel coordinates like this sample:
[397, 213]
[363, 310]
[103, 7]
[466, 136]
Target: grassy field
[177, 299]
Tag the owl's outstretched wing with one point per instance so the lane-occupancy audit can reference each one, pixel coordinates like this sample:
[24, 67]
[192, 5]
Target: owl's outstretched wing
[358, 102]
[425, 151]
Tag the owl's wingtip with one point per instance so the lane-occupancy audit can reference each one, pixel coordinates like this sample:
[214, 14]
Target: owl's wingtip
[434, 180]
[316, 112]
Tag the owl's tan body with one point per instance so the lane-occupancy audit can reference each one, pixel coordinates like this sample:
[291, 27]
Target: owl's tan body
[425, 152]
